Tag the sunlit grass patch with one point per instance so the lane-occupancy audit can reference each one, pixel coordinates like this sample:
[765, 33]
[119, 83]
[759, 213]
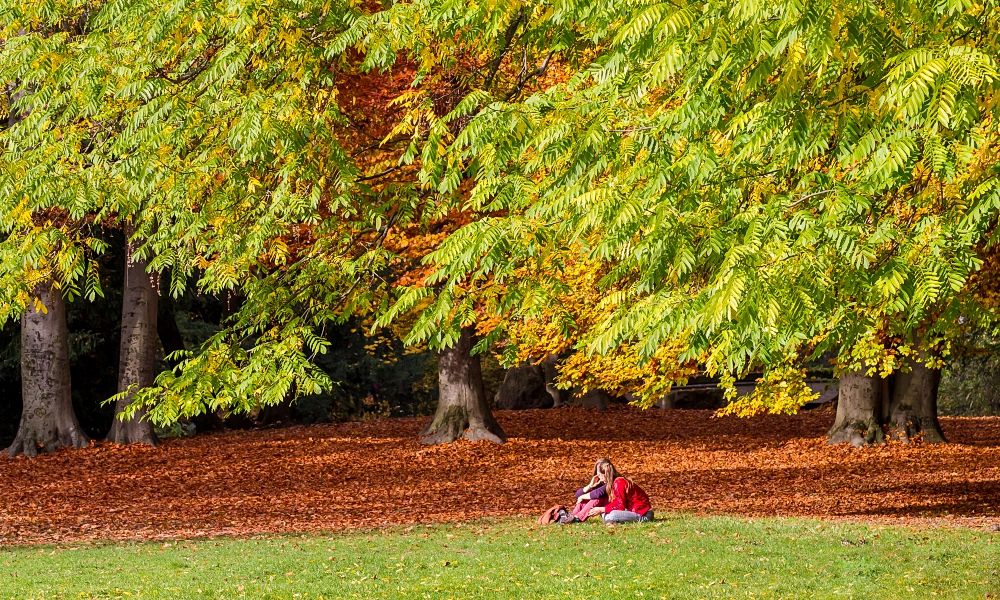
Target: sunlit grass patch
[676, 557]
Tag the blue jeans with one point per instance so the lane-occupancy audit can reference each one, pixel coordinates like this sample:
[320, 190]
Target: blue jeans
[627, 516]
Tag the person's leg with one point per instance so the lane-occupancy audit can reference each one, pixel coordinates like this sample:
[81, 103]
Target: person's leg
[581, 509]
[622, 516]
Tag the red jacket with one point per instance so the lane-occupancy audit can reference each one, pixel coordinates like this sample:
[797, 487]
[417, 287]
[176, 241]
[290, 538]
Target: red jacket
[628, 496]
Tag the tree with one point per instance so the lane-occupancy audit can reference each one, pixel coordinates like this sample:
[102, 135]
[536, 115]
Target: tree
[913, 405]
[904, 403]
[763, 183]
[859, 409]
[560, 321]
[463, 410]
[47, 418]
[47, 244]
[549, 372]
[137, 361]
[235, 142]
[232, 156]
[766, 183]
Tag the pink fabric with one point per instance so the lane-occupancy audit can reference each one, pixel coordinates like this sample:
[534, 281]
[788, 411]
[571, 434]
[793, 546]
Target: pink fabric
[580, 510]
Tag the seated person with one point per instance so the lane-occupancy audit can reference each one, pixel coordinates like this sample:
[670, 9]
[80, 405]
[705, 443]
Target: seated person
[590, 496]
[627, 502]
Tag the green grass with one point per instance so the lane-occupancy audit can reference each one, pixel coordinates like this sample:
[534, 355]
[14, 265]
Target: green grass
[676, 557]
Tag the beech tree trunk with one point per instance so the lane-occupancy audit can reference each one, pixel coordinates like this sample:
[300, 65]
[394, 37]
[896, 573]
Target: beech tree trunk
[137, 360]
[47, 419]
[462, 407]
[523, 388]
[913, 407]
[549, 368]
[859, 410]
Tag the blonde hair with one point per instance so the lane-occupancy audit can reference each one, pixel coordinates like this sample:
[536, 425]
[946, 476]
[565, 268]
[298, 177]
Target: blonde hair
[605, 468]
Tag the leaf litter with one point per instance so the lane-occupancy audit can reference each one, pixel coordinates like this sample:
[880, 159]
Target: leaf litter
[362, 475]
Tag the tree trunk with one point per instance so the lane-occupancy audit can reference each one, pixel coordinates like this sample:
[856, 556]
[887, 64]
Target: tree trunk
[462, 408]
[913, 408]
[137, 359]
[549, 368]
[598, 399]
[523, 387]
[859, 410]
[277, 414]
[47, 419]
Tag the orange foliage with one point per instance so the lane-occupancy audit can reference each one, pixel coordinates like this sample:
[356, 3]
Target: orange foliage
[412, 243]
[984, 284]
[565, 326]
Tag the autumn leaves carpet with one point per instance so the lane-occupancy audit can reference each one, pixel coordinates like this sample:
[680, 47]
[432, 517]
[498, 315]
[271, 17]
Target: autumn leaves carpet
[331, 477]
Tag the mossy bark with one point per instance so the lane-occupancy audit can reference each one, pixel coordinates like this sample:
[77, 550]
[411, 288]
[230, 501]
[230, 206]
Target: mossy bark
[913, 407]
[859, 410]
[47, 418]
[137, 359]
[463, 410]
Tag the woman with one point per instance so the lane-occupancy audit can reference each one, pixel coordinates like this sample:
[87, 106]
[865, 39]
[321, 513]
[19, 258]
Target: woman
[627, 502]
[591, 495]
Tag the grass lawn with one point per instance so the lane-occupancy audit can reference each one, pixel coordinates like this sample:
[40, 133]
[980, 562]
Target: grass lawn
[675, 557]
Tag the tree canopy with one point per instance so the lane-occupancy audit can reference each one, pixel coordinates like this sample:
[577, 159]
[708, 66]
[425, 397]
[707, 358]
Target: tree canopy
[767, 181]
[756, 183]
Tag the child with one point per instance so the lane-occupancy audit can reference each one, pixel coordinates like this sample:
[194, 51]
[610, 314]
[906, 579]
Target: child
[590, 496]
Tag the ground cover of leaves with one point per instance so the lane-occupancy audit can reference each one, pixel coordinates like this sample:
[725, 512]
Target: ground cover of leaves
[332, 477]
